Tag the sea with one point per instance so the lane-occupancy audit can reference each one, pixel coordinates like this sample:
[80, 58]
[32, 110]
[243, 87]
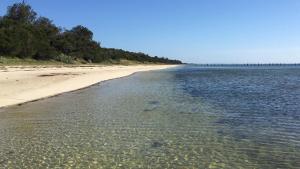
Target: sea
[191, 116]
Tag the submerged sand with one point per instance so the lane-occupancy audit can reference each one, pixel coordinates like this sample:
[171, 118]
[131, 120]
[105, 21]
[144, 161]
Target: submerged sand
[20, 84]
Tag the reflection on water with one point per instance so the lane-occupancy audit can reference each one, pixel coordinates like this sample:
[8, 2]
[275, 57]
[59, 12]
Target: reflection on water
[189, 117]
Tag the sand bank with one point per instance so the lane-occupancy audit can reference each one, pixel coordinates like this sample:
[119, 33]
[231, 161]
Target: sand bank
[20, 84]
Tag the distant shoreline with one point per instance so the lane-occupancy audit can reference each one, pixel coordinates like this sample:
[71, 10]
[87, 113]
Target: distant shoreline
[22, 84]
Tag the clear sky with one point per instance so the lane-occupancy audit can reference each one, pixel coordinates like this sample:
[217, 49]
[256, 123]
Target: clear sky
[198, 31]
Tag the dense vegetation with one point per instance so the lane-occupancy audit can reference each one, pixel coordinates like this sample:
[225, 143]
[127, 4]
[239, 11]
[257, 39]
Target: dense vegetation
[25, 35]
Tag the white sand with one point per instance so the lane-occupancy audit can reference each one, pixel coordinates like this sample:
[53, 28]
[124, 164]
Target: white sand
[22, 84]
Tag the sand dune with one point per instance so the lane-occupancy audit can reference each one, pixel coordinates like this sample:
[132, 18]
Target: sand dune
[20, 84]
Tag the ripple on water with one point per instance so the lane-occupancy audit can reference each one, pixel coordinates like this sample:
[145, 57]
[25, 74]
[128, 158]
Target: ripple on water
[184, 118]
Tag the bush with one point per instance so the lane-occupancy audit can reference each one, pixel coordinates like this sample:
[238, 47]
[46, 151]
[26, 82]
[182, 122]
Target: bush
[64, 58]
[2, 59]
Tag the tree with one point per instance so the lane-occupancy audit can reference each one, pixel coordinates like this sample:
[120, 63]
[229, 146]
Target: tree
[21, 13]
[19, 31]
[82, 33]
[78, 42]
[45, 38]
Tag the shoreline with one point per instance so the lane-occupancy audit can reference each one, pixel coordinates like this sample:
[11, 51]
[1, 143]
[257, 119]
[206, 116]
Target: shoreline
[23, 84]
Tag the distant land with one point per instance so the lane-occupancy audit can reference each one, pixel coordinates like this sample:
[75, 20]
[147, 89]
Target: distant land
[27, 37]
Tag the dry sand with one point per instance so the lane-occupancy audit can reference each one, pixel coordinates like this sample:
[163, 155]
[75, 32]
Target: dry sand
[20, 84]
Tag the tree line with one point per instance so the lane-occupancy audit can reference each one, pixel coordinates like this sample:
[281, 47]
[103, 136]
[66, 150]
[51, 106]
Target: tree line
[24, 34]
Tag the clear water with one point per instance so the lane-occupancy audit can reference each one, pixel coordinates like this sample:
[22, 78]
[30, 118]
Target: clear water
[188, 117]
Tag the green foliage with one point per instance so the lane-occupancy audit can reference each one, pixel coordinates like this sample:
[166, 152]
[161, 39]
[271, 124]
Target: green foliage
[45, 35]
[21, 12]
[7, 60]
[64, 58]
[24, 35]
[17, 31]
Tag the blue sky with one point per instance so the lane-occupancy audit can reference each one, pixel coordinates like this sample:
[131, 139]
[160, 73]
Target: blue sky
[198, 31]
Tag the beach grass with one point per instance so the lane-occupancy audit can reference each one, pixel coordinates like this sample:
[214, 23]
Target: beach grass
[17, 61]
[13, 61]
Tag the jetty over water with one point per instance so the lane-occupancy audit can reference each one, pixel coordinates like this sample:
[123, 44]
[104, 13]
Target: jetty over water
[247, 65]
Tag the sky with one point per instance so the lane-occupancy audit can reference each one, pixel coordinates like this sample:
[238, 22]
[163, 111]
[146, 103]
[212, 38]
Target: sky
[194, 31]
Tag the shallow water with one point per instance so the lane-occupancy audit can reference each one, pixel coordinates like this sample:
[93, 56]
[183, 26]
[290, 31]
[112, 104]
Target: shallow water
[189, 117]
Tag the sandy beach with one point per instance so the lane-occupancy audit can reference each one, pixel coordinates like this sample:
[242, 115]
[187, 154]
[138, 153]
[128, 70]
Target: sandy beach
[20, 84]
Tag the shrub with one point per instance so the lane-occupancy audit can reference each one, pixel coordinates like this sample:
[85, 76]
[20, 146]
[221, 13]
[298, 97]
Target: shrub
[64, 58]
